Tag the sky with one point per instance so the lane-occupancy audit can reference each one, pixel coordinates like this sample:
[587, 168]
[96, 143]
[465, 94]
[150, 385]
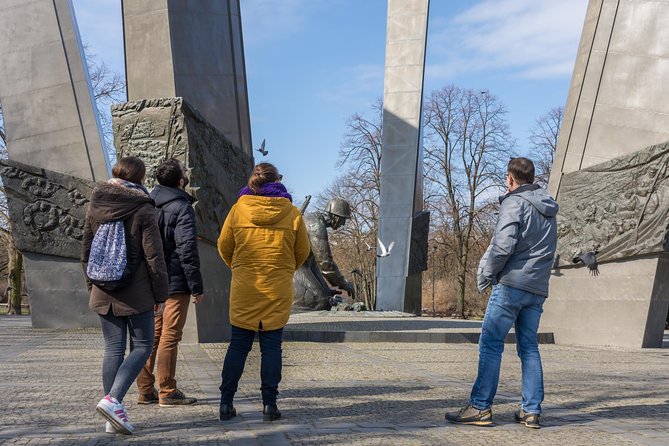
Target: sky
[311, 64]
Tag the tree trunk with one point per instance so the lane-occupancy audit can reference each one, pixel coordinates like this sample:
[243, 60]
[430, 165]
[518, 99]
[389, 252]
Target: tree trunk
[461, 291]
[15, 269]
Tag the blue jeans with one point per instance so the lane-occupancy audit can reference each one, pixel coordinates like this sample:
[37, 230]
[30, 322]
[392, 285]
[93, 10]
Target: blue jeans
[118, 373]
[508, 305]
[235, 359]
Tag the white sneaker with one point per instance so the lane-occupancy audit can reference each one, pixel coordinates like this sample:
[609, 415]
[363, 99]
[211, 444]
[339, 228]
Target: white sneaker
[116, 414]
[109, 429]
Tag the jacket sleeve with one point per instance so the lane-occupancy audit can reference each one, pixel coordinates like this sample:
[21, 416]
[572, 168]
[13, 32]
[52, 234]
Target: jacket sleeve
[482, 282]
[302, 245]
[226, 241]
[152, 245]
[86, 241]
[185, 238]
[504, 240]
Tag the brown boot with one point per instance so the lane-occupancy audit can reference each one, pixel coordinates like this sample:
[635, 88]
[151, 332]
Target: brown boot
[177, 398]
[148, 398]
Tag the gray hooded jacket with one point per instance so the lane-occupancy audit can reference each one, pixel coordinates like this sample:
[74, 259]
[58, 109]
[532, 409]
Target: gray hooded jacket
[522, 248]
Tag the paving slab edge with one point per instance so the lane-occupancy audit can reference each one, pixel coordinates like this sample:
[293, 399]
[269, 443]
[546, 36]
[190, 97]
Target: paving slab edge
[395, 336]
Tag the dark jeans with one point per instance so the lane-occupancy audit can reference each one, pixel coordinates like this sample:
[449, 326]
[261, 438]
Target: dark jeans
[118, 373]
[270, 364]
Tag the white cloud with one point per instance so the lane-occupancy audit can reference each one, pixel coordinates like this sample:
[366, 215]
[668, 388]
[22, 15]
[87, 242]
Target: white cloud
[267, 20]
[524, 38]
[358, 85]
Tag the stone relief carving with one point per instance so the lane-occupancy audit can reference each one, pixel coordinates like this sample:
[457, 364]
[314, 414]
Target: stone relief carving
[619, 208]
[47, 209]
[158, 129]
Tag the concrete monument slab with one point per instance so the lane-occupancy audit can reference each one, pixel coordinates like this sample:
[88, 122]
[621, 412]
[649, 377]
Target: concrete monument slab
[192, 50]
[47, 211]
[617, 105]
[158, 129]
[398, 276]
[51, 121]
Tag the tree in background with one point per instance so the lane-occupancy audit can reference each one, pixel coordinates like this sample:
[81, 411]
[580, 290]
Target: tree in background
[108, 88]
[354, 244]
[543, 142]
[468, 148]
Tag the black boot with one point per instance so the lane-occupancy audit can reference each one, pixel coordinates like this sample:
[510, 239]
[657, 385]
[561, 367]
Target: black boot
[270, 413]
[226, 412]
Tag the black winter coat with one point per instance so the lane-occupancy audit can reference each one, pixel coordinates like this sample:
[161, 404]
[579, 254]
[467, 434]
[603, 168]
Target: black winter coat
[178, 229]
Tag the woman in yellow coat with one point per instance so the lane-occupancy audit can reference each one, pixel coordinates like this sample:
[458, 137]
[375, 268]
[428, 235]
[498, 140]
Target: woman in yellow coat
[263, 241]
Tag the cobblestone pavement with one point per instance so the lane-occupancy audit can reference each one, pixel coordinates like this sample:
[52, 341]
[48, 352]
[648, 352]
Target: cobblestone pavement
[342, 394]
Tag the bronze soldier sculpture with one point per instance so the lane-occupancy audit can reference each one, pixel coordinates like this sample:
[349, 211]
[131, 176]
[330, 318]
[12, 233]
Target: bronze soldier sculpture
[313, 280]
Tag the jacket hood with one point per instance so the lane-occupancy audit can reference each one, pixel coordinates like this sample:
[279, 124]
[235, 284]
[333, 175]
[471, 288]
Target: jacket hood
[537, 197]
[263, 211]
[164, 194]
[111, 202]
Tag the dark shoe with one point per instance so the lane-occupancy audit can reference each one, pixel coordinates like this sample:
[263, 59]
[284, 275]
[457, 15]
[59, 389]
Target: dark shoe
[226, 412]
[177, 398]
[531, 420]
[471, 415]
[271, 413]
[148, 398]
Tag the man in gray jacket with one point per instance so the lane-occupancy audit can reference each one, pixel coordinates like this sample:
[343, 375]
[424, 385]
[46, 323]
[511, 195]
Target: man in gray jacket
[518, 265]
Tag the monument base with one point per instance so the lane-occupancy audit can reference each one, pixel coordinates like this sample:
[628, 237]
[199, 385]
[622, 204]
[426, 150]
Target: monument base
[209, 321]
[413, 293]
[57, 290]
[625, 306]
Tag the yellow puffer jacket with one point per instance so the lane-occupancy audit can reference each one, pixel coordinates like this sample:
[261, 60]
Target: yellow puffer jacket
[263, 241]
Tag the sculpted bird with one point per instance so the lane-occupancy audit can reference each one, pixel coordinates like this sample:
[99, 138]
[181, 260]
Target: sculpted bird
[262, 148]
[589, 259]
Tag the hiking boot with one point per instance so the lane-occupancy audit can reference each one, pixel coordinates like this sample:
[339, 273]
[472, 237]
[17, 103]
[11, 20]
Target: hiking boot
[531, 420]
[226, 411]
[177, 398]
[148, 398]
[115, 412]
[270, 413]
[471, 415]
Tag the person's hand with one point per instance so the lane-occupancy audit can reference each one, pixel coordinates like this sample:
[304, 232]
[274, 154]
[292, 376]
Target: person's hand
[158, 308]
[350, 289]
[483, 283]
[197, 298]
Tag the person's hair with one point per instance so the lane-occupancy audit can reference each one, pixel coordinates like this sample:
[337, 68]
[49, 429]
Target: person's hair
[263, 173]
[169, 173]
[130, 169]
[522, 170]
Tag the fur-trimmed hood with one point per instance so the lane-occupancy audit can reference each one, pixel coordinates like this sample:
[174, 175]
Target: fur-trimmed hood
[112, 202]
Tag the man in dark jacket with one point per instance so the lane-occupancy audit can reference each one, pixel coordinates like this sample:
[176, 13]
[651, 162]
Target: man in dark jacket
[517, 264]
[178, 230]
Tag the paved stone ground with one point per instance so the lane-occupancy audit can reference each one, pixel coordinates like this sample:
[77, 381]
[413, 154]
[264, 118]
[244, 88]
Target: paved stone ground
[341, 394]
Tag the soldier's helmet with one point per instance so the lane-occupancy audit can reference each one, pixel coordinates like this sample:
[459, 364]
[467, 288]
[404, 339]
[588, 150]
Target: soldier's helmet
[339, 207]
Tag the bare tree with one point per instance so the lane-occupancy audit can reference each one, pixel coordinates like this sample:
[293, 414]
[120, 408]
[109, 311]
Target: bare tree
[543, 142]
[469, 145]
[354, 245]
[108, 88]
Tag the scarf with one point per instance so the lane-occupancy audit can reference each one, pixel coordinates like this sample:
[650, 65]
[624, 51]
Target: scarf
[129, 184]
[275, 190]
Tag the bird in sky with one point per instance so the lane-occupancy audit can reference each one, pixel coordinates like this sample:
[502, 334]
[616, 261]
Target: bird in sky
[262, 148]
[385, 252]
